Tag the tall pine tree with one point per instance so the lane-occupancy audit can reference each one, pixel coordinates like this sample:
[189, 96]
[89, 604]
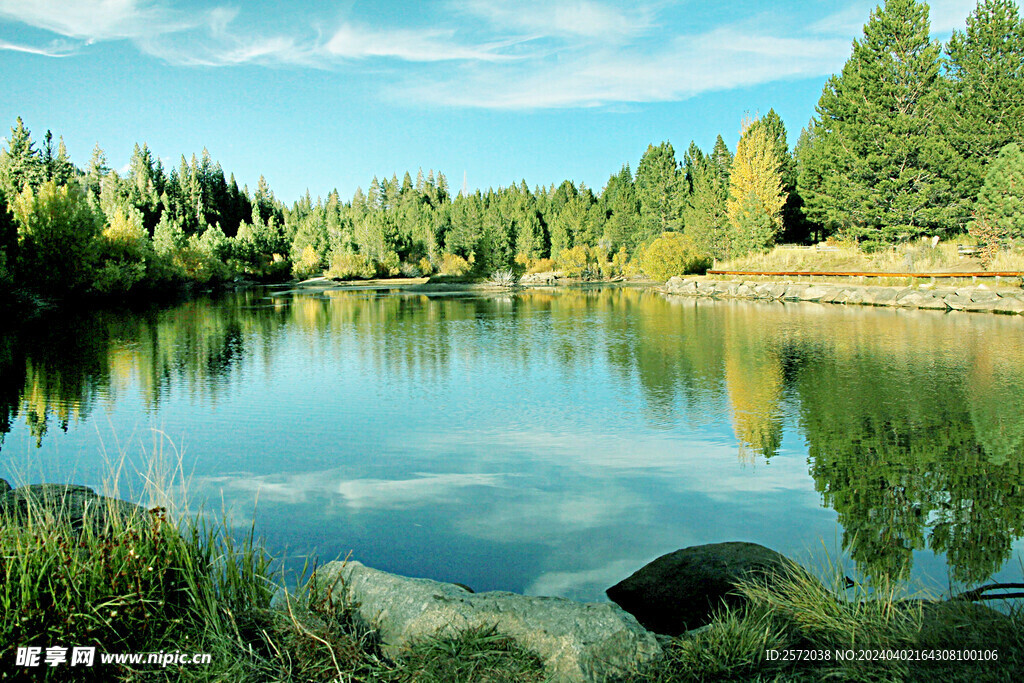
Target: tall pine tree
[704, 216]
[756, 194]
[999, 211]
[658, 185]
[794, 226]
[879, 168]
[21, 163]
[984, 107]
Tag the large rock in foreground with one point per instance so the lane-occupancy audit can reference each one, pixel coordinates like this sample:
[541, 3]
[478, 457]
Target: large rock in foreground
[681, 591]
[69, 503]
[576, 641]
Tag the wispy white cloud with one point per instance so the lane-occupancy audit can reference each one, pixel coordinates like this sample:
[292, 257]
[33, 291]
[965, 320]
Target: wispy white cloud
[945, 16]
[219, 45]
[333, 488]
[210, 37]
[576, 18]
[514, 55]
[583, 580]
[721, 59]
[432, 45]
[53, 49]
[96, 20]
[153, 27]
[425, 489]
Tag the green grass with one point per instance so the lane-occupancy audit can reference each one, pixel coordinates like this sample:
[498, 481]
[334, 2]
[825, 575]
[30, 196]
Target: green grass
[472, 656]
[147, 582]
[143, 583]
[797, 612]
[912, 257]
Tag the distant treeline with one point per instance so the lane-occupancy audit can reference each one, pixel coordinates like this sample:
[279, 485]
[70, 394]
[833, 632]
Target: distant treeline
[911, 139]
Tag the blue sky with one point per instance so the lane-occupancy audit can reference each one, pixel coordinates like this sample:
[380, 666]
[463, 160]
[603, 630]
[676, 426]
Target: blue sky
[323, 95]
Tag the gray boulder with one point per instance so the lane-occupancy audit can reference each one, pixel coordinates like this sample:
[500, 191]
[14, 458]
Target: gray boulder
[816, 293]
[70, 503]
[1009, 304]
[913, 298]
[881, 296]
[592, 642]
[794, 292]
[682, 590]
[957, 301]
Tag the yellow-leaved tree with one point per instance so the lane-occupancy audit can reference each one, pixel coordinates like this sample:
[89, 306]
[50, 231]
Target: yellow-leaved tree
[756, 196]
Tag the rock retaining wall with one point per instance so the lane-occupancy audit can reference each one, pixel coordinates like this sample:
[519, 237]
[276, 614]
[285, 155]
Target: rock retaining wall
[977, 298]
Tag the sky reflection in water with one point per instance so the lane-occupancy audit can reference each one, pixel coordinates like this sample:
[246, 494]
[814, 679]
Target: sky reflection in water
[549, 443]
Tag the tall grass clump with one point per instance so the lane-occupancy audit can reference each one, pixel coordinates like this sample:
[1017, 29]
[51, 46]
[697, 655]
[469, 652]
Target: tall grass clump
[118, 582]
[126, 580]
[477, 655]
[920, 256]
[503, 277]
[1010, 259]
[794, 611]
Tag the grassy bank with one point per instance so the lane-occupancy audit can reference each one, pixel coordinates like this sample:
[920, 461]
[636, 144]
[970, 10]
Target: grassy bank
[143, 582]
[797, 616]
[913, 257]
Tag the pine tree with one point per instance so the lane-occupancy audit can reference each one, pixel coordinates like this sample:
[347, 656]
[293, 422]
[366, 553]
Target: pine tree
[620, 204]
[794, 227]
[999, 211]
[95, 171]
[571, 225]
[374, 196]
[140, 186]
[721, 160]
[984, 107]
[63, 170]
[56, 228]
[658, 189]
[879, 166]
[48, 154]
[704, 214]
[8, 240]
[756, 194]
[21, 163]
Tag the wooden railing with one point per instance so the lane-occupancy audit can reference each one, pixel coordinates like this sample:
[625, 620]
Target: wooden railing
[803, 273]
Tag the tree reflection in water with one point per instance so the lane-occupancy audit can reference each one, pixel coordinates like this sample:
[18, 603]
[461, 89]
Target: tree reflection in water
[913, 421]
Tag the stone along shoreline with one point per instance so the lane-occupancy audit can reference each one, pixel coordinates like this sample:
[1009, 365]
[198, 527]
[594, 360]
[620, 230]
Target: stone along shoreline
[975, 298]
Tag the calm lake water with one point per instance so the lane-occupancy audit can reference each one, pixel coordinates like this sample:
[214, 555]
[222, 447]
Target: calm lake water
[546, 442]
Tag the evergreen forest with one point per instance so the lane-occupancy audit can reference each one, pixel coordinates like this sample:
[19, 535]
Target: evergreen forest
[911, 139]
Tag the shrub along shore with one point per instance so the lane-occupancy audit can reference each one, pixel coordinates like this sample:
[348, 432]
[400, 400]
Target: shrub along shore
[84, 570]
[911, 139]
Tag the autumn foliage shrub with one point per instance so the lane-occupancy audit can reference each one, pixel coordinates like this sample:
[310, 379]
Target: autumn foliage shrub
[544, 265]
[453, 264]
[308, 264]
[348, 266]
[672, 254]
[574, 262]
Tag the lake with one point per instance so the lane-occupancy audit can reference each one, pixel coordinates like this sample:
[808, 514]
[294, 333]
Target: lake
[545, 441]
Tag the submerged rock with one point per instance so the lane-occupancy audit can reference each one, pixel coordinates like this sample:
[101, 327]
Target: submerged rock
[591, 642]
[66, 502]
[682, 590]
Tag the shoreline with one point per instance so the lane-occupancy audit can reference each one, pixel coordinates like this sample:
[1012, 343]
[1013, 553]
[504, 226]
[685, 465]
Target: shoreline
[974, 298]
